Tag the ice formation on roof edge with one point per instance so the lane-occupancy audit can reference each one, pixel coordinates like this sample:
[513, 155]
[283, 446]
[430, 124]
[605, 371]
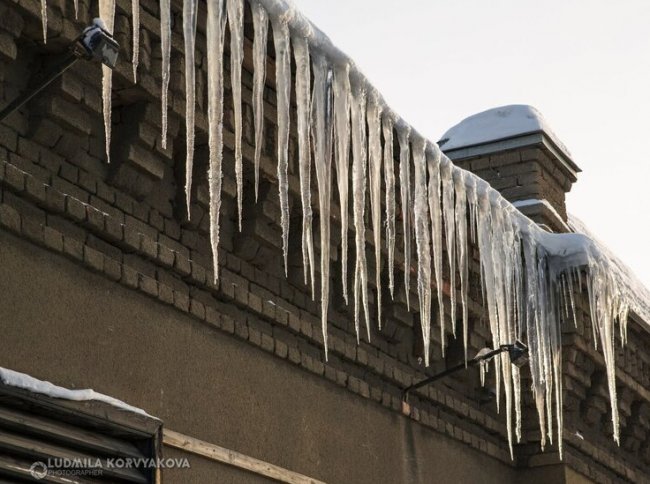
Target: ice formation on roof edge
[526, 295]
[22, 380]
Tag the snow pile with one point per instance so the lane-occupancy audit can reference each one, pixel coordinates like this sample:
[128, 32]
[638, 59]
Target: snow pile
[529, 277]
[496, 124]
[21, 380]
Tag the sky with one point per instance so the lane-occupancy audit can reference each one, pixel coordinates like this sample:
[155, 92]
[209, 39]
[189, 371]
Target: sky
[585, 64]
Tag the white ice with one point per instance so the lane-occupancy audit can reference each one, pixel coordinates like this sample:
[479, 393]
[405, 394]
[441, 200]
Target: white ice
[21, 380]
[189, 36]
[235, 10]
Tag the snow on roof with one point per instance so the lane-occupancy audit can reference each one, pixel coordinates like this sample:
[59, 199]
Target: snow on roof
[21, 380]
[496, 124]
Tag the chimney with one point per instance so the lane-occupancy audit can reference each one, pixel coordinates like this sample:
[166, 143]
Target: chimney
[515, 151]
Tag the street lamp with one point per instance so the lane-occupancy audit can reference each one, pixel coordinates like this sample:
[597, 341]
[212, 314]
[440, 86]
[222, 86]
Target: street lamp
[95, 43]
[517, 351]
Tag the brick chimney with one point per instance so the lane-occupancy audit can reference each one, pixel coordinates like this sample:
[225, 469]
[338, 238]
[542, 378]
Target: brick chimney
[514, 149]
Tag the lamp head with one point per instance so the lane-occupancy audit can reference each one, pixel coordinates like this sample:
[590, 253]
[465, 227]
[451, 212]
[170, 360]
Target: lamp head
[99, 44]
[518, 353]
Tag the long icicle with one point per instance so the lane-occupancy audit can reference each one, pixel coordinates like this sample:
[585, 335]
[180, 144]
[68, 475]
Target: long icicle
[403, 134]
[374, 165]
[165, 47]
[283, 88]
[359, 161]
[215, 30]
[303, 82]
[135, 9]
[322, 141]
[423, 244]
[261, 27]
[388, 121]
[450, 231]
[435, 213]
[107, 14]
[189, 34]
[461, 246]
[342, 94]
[44, 19]
[236, 25]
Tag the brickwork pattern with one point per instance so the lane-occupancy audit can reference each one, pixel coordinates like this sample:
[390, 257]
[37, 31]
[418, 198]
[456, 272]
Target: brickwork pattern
[126, 221]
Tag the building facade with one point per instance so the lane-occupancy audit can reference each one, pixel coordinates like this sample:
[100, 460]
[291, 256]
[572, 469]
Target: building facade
[105, 284]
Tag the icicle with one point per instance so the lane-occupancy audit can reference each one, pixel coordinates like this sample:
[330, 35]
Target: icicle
[261, 26]
[283, 88]
[450, 231]
[76, 9]
[403, 133]
[135, 9]
[389, 177]
[301, 55]
[44, 19]
[461, 245]
[422, 234]
[165, 47]
[359, 160]
[107, 15]
[375, 162]
[322, 141]
[342, 95]
[435, 213]
[236, 25]
[216, 26]
[189, 34]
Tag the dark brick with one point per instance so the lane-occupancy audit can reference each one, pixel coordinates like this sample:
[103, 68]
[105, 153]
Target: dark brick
[95, 218]
[8, 137]
[14, 177]
[53, 239]
[10, 218]
[35, 189]
[72, 247]
[112, 268]
[94, 258]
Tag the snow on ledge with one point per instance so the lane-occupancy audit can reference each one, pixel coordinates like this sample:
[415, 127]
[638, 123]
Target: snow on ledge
[497, 124]
[532, 202]
[21, 380]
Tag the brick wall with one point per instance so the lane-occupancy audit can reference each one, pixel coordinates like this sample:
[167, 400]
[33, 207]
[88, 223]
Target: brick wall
[127, 222]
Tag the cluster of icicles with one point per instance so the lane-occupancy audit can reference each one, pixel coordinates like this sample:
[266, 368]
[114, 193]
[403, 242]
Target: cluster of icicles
[528, 276]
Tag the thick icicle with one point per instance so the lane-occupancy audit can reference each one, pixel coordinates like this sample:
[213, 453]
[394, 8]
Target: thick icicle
[303, 82]
[216, 26]
[165, 47]
[359, 161]
[435, 213]
[135, 9]
[388, 121]
[44, 19]
[422, 240]
[283, 88]
[403, 134]
[342, 93]
[448, 208]
[107, 15]
[375, 163]
[322, 136]
[189, 34]
[236, 25]
[76, 9]
[461, 245]
[261, 26]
